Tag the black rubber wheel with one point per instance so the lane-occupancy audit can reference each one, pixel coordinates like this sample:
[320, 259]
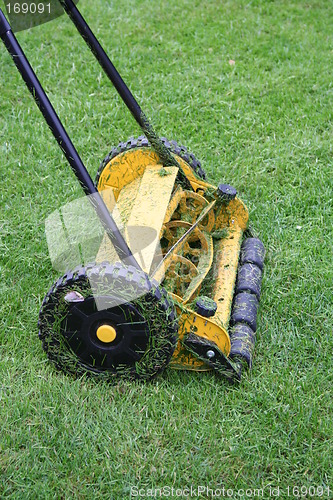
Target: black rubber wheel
[142, 142]
[73, 320]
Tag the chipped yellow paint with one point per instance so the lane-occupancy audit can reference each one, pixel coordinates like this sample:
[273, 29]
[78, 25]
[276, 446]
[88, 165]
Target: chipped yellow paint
[120, 212]
[124, 174]
[190, 321]
[234, 218]
[174, 202]
[225, 272]
[148, 213]
[235, 213]
[143, 207]
[123, 169]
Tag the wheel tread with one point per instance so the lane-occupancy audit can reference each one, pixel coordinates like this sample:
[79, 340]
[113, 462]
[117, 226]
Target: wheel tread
[142, 142]
[156, 294]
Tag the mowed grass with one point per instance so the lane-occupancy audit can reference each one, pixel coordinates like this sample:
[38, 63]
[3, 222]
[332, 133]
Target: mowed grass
[262, 123]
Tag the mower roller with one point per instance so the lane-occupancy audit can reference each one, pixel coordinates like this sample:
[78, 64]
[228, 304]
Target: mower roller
[192, 301]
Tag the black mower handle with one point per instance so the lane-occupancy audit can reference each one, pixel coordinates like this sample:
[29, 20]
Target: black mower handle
[4, 24]
[64, 141]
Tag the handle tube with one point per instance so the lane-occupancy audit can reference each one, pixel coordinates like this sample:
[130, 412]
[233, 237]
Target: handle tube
[64, 141]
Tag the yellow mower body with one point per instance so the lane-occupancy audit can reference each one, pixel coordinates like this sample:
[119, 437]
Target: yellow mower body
[147, 194]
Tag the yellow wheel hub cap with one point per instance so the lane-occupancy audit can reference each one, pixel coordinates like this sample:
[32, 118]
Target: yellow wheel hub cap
[106, 333]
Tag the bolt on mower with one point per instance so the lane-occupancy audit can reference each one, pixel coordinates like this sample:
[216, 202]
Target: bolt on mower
[175, 280]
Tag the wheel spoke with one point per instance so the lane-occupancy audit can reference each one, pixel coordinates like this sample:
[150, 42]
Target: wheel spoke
[115, 318]
[134, 355]
[108, 360]
[195, 252]
[188, 250]
[133, 327]
[197, 210]
[168, 235]
[183, 205]
[86, 352]
[78, 313]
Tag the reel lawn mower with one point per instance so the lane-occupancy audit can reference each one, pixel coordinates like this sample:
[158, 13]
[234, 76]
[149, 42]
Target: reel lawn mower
[192, 302]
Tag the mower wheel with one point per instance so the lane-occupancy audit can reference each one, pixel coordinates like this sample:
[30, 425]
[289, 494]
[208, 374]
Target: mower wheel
[108, 321]
[142, 142]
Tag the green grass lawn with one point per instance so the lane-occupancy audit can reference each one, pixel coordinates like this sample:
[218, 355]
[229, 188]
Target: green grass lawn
[262, 124]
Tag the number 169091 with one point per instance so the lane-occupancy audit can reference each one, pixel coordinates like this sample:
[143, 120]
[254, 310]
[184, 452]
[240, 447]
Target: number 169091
[28, 8]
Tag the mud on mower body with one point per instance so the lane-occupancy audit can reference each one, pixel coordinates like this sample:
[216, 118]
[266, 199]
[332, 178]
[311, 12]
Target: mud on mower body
[195, 308]
[201, 232]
